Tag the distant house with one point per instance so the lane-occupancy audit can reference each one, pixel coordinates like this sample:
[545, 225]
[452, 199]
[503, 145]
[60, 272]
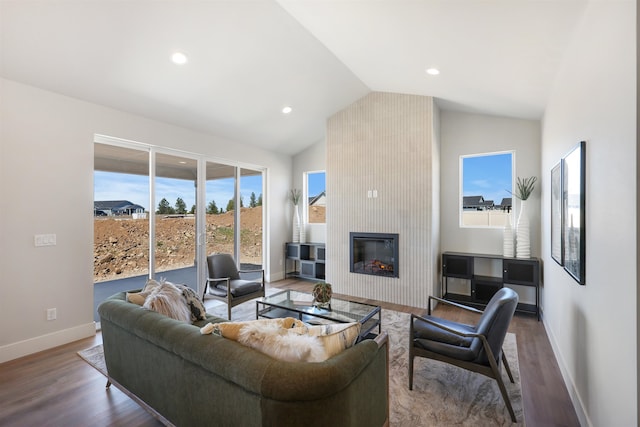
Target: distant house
[472, 203]
[487, 205]
[319, 200]
[116, 207]
[505, 205]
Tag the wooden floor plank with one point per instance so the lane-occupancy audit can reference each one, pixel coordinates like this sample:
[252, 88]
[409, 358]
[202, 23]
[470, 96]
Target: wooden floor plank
[57, 388]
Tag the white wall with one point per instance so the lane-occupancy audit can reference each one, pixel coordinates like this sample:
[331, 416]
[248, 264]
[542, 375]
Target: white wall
[464, 133]
[593, 328]
[46, 186]
[312, 159]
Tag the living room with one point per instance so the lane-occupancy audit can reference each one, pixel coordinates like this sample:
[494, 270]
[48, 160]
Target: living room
[47, 157]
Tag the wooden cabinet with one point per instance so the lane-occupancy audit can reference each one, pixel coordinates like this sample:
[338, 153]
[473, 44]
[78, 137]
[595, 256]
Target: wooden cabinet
[305, 260]
[472, 279]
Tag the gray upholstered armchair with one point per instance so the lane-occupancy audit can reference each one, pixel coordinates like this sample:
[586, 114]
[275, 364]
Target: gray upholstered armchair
[476, 348]
[224, 282]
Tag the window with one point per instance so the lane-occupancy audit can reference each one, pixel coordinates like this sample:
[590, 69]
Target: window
[315, 186]
[148, 219]
[486, 182]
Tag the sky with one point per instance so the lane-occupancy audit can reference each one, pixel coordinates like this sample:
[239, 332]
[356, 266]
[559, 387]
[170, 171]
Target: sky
[135, 188]
[316, 184]
[489, 176]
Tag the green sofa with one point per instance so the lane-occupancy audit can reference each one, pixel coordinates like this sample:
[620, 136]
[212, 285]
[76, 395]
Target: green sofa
[188, 379]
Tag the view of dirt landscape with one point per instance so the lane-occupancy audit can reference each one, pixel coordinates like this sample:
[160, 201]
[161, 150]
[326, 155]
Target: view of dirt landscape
[121, 243]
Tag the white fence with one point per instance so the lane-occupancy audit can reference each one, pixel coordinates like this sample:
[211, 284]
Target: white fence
[492, 218]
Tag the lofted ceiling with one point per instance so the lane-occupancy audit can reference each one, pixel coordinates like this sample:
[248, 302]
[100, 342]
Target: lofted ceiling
[249, 59]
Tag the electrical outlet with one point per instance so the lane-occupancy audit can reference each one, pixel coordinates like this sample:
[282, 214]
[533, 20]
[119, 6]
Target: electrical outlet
[45, 240]
[51, 314]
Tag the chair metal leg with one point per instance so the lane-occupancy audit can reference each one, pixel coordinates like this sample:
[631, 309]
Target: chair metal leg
[505, 397]
[503, 390]
[108, 384]
[410, 370]
[506, 367]
[206, 285]
[229, 310]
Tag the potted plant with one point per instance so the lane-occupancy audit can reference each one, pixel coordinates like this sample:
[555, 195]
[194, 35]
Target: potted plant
[524, 187]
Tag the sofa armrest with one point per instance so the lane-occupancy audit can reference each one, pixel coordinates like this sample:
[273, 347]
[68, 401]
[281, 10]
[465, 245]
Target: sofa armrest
[382, 340]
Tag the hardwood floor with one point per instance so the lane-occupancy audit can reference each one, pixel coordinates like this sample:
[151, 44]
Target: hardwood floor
[57, 388]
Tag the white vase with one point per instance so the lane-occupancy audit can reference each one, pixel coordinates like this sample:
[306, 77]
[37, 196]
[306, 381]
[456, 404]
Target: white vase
[303, 233]
[523, 240]
[295, 235]
[507, 244]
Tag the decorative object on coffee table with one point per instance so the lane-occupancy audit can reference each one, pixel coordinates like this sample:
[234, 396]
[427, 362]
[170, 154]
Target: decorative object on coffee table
[322, 294]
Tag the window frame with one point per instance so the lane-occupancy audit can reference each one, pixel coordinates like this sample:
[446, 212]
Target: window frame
[461, 196]
[306, 195]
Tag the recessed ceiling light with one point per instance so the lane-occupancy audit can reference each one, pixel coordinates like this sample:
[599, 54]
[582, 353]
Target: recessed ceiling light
[432, 71]
[287, 110]
[179, 58]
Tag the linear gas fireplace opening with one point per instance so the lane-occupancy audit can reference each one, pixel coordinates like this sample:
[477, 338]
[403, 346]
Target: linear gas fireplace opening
[374, 253]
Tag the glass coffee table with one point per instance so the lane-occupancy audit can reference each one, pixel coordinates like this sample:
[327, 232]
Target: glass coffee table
[300, 305]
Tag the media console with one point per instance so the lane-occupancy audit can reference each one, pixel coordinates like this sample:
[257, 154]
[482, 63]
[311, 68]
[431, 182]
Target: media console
[479, 276]
[307, 258]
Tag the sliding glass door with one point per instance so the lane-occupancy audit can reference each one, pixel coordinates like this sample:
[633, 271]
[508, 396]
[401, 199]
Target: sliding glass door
[251, 219]
[220, 212]
[121, 203]
[159, 213]
[175, 190]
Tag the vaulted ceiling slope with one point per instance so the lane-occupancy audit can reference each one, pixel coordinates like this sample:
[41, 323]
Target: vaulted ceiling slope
[249, 59]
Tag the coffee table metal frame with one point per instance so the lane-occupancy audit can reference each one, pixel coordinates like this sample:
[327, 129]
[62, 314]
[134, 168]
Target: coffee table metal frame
[289, 303]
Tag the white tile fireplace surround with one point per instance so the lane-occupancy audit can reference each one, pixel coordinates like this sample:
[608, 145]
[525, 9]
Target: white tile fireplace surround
[385, 145]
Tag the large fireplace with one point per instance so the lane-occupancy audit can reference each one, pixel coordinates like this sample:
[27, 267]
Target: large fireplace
[374, 253]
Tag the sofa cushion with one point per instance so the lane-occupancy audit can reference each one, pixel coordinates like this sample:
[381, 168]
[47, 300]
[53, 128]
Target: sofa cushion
[239, 287]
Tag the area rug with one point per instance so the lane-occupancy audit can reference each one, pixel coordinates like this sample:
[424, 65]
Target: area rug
[445, 395]
[442, 395]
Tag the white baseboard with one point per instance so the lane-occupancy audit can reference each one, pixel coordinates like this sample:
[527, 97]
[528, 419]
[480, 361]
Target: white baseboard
[275, 276]
[45, 342]
[578, 405]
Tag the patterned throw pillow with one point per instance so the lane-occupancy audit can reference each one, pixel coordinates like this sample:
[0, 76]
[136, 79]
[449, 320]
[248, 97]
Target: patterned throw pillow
[198, 312]
[335, 337]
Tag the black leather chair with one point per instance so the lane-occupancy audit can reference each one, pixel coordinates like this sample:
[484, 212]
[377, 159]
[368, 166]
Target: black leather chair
[475, 348]
[225, 284]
